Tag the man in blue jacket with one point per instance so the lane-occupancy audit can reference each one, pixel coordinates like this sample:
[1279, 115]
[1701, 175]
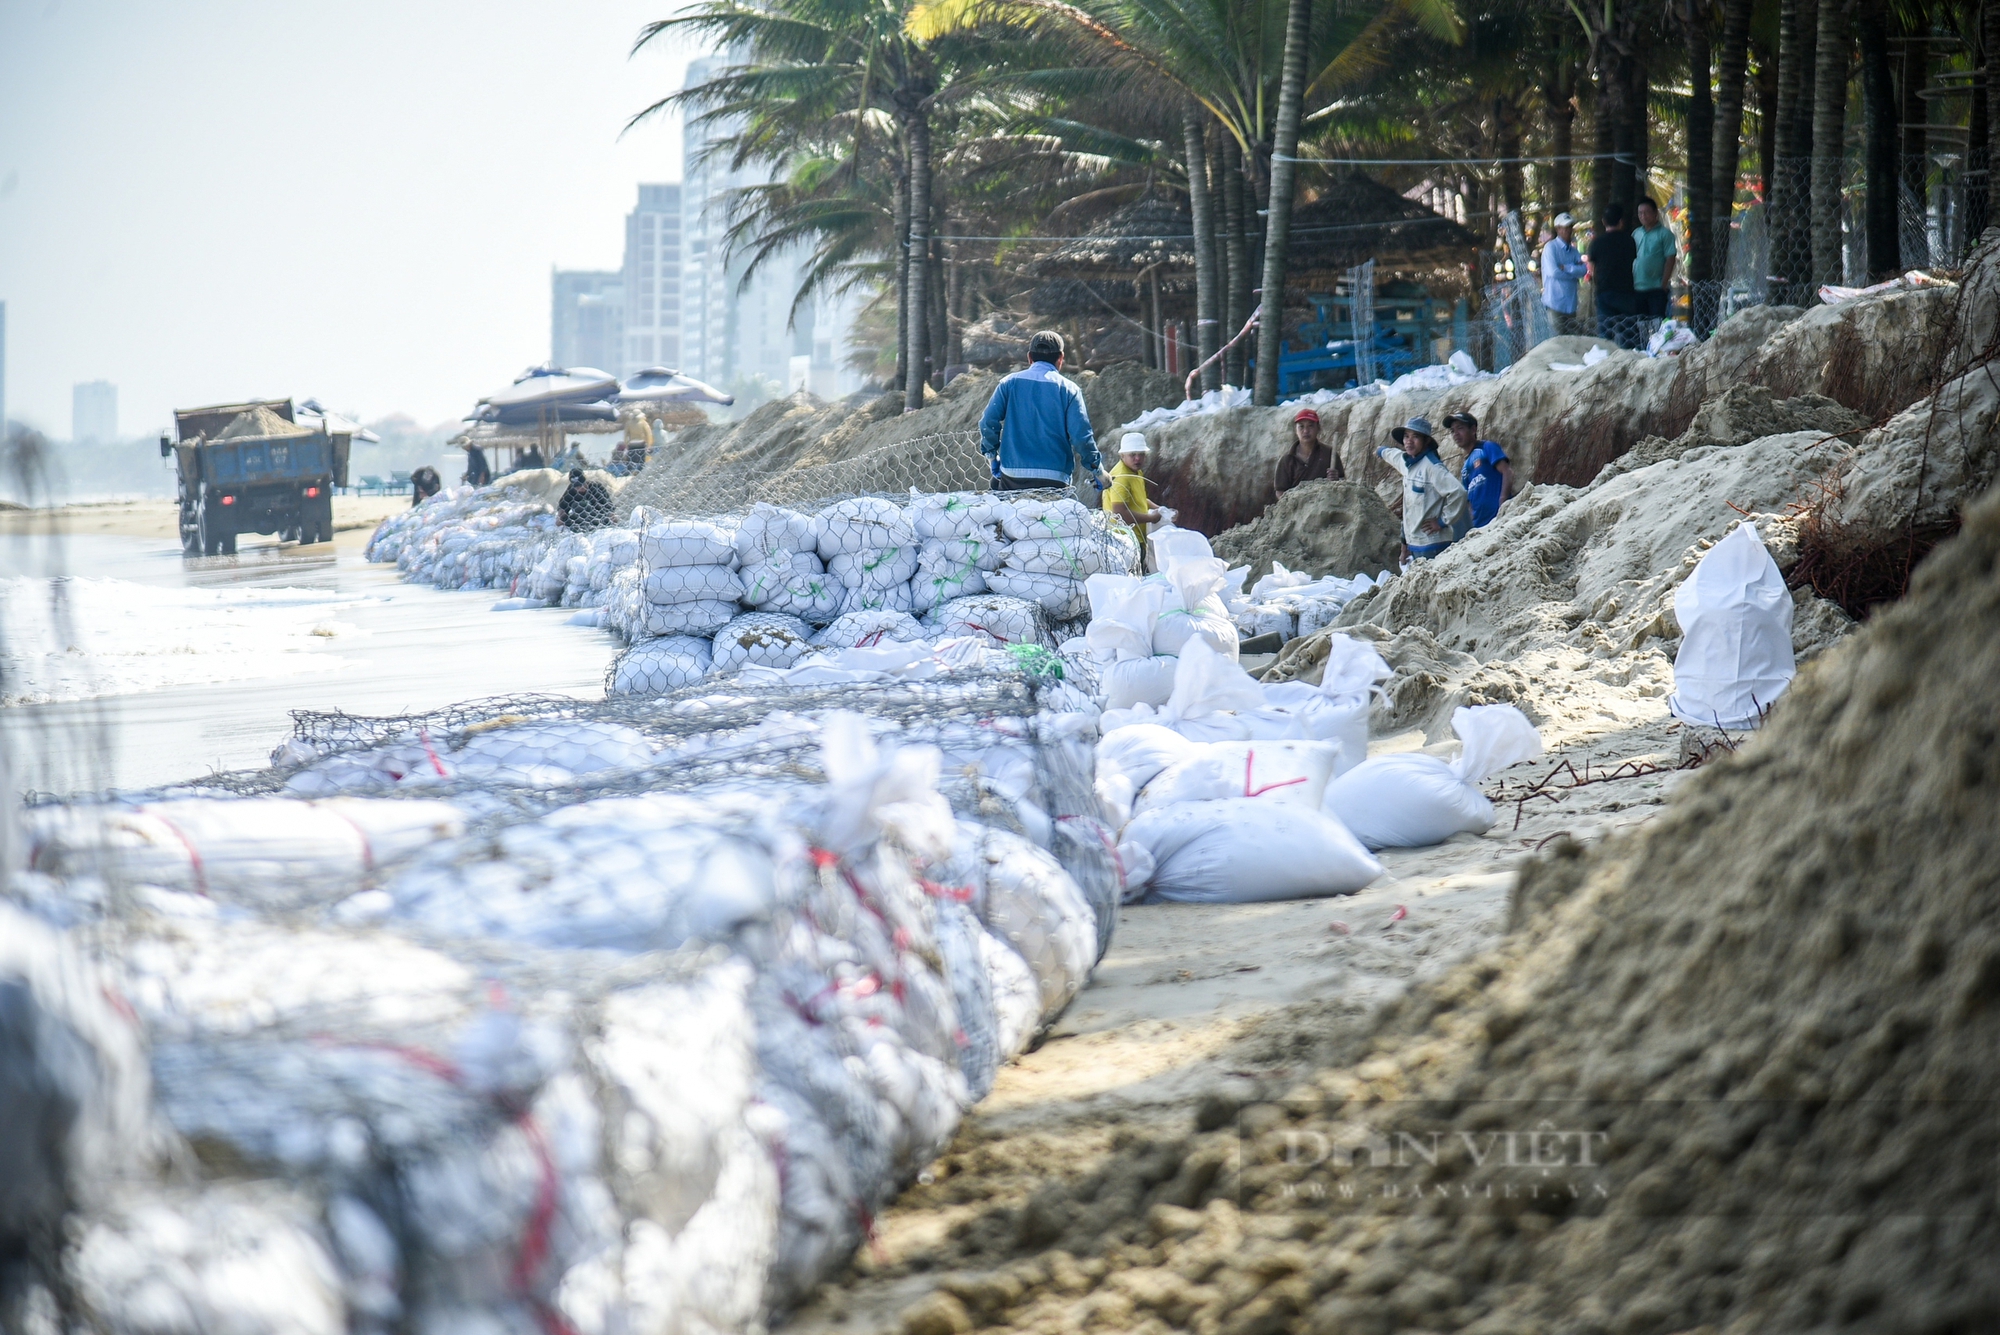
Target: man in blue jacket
[1035, 429]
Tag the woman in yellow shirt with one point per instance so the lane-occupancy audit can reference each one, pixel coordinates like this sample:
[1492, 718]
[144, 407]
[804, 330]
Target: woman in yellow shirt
[1125, 498]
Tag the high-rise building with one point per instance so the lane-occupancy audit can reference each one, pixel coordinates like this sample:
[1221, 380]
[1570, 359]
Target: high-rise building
[653, 280]
[587, 319]
[94, 411]
[735, 333]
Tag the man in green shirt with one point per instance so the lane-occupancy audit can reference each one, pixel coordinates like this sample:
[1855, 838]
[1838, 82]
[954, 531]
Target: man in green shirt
[1653, 270]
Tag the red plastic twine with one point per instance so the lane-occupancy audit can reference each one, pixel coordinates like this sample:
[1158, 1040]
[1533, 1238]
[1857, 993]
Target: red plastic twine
[1249, 790]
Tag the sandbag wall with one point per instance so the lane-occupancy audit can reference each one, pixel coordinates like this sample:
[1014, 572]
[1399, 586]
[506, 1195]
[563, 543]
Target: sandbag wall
[707, 595]
[537, 1045]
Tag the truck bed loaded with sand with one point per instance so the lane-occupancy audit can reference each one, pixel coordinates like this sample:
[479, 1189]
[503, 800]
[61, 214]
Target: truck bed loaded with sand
[943, 923]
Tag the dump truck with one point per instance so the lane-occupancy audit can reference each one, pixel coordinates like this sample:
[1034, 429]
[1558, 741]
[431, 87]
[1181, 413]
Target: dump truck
[253, 468]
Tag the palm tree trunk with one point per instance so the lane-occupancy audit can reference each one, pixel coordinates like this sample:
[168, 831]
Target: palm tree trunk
[1202, 205]
[1284, 179]
[1829, 159]
[1878, 117]
[1726, 140]
[1238, 246]
[1636, 126]
[1604, 142]
[940, 334]
[902, 261]
[1992, 88]
[1559, 109]
[1701, 200]
[1787, 203]
[917, 367]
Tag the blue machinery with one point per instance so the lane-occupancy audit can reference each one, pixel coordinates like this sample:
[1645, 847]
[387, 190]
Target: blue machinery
[1407, 324]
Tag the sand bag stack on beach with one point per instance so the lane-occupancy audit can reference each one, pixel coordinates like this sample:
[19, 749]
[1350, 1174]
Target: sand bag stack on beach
[692, 583]
[870, 549]
[1053, 547]
[782, 569]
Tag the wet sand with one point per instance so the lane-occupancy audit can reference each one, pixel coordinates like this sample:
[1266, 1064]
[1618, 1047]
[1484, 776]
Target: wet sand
[388, 647]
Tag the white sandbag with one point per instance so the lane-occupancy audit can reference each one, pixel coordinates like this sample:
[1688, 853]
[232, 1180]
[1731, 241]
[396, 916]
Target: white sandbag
[1135, 871]
[1078, 558]
[1268, 619]
[796, 584]
[1735, 614]
[769, 531]
[874, 568]
[1123, 609]
[999, 619]
[1195, 609]
[1063, 598]
[933, 588]
[1134, 681]
[863, 523]
[1017, 997]
[1287, 773]
[1064, 518]
[1279, 579]
[249, 848]
[954, 514]
[895, 598]
[702, 618]
[1141, 750]
[611, 550]
[761, 639]
[1295, 710]
[687, 542]
[1174, 546]
[1243, 851]
[1024, 897]
[656, 666]
[956, 553]
[522, 752]
[1414, 800]
[687, 584]
[623, 873]
[766, 578]
[857, 630]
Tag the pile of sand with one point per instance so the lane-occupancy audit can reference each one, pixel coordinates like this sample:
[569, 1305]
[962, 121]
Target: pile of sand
[1322, 528]
[1771, 1014]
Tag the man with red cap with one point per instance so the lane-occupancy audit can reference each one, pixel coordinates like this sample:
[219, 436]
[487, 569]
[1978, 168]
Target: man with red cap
[1308, 459]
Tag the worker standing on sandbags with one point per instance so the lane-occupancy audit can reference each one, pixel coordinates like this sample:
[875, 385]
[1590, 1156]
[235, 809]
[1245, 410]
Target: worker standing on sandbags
[1035, 428]
[1125, 497]
[1435, 511]
[1309, 458]
[1487, 474]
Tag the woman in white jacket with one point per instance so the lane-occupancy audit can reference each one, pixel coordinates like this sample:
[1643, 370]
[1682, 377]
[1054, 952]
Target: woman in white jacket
[1435, 510]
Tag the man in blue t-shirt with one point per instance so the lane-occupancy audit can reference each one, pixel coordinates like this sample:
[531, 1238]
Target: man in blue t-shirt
[1487, 473]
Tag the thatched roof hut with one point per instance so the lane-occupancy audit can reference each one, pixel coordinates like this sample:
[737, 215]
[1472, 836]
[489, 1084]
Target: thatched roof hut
[1148, 234]
[1358, 219]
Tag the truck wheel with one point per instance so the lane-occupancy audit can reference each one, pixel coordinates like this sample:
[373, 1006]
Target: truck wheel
[218, 536]
[190, 531]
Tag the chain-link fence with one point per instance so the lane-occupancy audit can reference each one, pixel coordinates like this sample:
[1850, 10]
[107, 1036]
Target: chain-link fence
[942, 462]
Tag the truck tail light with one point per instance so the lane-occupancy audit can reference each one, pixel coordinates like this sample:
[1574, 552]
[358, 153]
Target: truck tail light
[229, 500]
[311, 492]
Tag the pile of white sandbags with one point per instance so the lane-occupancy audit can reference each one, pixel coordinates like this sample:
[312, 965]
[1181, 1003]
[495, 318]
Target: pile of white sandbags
[782, 569]
[1291, 603]
[1140, 627]
[467, 539]
[870, 549]
[692, 585]
[1053, 547]
[645, 1062]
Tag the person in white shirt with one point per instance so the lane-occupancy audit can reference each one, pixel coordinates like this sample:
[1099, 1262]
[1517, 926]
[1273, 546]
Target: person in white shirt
[1435, 510]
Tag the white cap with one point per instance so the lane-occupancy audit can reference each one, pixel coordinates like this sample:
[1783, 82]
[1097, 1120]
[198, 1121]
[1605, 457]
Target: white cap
[1133, 442]
[1563, 220]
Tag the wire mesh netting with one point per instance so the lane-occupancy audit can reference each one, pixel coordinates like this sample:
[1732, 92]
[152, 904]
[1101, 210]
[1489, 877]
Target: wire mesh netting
[943, 462]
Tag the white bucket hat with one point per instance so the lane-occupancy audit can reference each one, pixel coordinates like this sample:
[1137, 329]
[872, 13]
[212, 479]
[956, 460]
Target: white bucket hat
[1133, 442]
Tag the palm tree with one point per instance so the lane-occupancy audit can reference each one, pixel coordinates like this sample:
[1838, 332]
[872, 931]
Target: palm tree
[1829, 136]
[1732, 67]
[1284, 176]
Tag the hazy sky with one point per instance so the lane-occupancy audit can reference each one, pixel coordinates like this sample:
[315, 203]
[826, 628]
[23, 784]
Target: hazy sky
[206, 200]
